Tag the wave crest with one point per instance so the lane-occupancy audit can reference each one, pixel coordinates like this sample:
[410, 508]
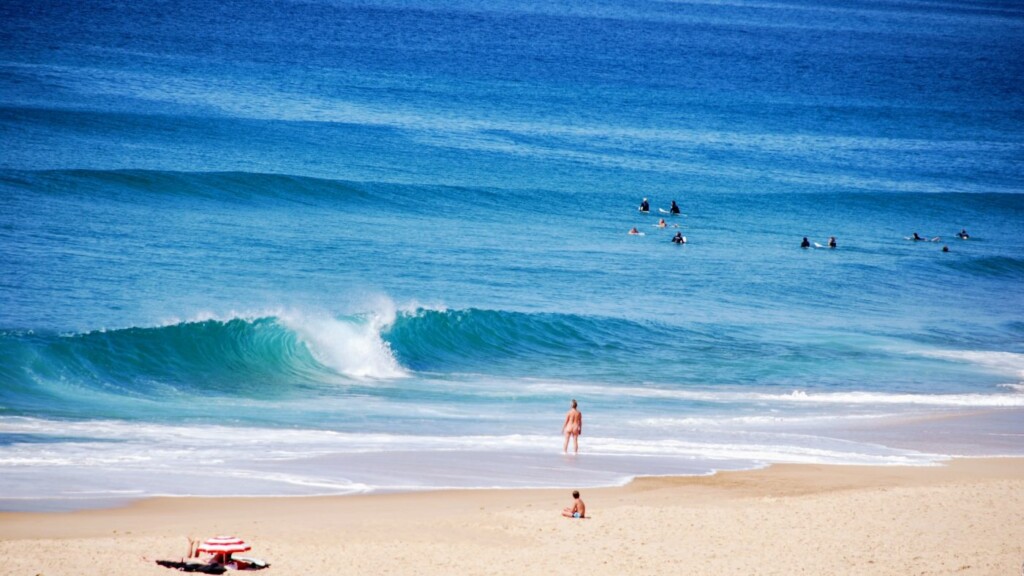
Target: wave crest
[234, 356]
[471, 338]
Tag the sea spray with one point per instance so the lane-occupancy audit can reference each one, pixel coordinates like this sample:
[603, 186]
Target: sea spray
[351, 345]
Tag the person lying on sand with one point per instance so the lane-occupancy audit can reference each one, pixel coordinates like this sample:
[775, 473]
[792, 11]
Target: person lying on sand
[578, 508]
[212, 564]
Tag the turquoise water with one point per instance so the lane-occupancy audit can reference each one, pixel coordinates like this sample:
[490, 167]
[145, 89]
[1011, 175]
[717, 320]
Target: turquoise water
[282, 248]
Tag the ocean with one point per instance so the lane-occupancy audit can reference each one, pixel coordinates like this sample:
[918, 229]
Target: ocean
[326, 247]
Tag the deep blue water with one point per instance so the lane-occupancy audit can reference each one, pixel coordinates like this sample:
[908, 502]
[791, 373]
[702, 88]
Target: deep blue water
[381, 245]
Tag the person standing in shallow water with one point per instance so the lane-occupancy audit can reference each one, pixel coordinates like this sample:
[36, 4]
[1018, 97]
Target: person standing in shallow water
[572, 427]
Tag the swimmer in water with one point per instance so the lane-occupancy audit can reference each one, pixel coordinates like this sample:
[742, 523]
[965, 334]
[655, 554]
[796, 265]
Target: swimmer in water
[806, 243]
[661, 223]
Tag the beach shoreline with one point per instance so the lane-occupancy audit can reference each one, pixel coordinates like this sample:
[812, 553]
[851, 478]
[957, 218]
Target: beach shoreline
[958, 517]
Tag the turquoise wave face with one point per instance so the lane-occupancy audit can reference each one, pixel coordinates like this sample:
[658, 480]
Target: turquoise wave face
[236, 357]
[481, 340]
[294, 359]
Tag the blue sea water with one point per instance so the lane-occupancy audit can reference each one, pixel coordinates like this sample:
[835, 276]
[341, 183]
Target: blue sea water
[328, 247]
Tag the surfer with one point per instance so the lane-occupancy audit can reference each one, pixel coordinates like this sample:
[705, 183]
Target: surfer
[578, 508]
[945, 248]
[661, 223]
[962, 234]
[674, 209]
[572, 427]
[806, 243]
[644, 206]
[679, 238]
[831, 241]
[633, 231]
[917, 238]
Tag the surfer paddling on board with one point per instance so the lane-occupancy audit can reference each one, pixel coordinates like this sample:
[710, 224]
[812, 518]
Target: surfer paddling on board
[644, 206]
[674, 209]
[962, 234]
[572, 427]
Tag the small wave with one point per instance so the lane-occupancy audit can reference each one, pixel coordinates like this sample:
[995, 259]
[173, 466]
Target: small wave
[746, 421]
[994, 266]
[792, 397]
[221, 186]
[259, 188]
[1008, 363]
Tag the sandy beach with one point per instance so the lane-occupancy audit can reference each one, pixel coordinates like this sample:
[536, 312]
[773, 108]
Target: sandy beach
[960, 518]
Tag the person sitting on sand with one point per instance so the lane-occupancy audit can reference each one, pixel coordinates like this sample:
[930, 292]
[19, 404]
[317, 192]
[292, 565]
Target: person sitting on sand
[572, 428]
[578, 508]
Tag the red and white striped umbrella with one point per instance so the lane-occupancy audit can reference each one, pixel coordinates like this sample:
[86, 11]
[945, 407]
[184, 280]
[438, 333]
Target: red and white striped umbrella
[223, 545]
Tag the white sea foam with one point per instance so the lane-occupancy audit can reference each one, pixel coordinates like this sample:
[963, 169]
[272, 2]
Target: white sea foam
[128, 444]
[1008, 363]
[668, 423]
[113, 458]
[352, 346]
[995, 400]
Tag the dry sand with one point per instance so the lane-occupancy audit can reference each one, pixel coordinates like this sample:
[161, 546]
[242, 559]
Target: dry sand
[963, 518]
